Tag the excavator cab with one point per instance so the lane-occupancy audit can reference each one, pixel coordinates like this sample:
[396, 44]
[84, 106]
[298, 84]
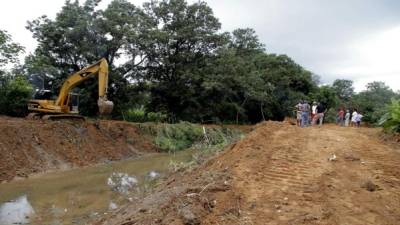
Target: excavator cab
[44, 94]
[73, 102]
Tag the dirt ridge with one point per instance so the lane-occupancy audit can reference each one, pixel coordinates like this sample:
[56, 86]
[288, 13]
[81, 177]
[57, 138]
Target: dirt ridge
[32, 146]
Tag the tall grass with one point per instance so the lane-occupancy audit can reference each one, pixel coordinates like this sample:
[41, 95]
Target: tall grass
[184, 135]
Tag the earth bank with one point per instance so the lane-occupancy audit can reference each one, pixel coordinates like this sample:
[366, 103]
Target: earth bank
[281, 174]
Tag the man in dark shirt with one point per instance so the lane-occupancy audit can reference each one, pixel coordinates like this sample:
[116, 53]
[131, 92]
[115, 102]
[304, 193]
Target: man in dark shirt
[320, 114]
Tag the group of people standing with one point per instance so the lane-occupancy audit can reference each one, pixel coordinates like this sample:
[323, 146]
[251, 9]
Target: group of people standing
[349, 119]
[309, 115]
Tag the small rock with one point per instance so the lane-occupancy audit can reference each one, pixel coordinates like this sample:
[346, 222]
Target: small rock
[112, 206]
[369, 186]
[351, 158]
[188, 217]
[153, 174]
[142, 210]
[332, 158]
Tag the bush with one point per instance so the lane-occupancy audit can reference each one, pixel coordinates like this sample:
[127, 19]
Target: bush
[139, 115]
[175, 137]
[184, 135]
[391, 120]
[156, 117]
[135, 115]
[15, 92]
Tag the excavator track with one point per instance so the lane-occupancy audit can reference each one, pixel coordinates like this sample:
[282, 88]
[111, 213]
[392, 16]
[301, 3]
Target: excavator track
[55, 117]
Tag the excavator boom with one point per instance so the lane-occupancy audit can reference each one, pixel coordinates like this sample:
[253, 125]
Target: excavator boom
[62, 106]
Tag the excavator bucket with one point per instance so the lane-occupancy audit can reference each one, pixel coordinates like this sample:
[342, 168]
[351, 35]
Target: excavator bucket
[105, 106]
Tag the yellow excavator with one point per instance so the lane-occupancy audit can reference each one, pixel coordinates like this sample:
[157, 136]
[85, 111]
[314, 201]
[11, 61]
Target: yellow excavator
[62, 107]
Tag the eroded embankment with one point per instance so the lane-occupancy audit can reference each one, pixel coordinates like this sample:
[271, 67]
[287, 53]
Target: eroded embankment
[28, 146]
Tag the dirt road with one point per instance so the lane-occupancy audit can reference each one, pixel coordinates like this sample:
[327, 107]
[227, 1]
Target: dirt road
[289, 179]
[280, 174]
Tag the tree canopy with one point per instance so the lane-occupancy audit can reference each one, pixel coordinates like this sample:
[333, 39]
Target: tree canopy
[170, 58]
[175, 60]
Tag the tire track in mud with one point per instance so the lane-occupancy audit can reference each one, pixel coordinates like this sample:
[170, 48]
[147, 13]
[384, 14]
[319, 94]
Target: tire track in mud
[289, 179]
[290, 171]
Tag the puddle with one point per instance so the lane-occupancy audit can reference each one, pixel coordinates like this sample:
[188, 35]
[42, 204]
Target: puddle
[17, 211]
[80, 195]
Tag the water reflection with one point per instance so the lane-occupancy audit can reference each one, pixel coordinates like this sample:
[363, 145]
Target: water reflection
[80, 195]
[18, 211]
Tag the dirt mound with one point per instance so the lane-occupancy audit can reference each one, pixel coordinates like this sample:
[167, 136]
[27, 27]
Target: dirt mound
[280, 174]
[28, 146]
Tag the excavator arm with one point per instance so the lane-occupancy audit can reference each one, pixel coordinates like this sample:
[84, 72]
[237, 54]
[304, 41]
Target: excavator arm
[61, 105]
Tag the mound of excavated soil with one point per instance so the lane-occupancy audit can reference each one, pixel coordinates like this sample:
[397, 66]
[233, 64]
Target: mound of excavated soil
[280, 174]
[29, 146]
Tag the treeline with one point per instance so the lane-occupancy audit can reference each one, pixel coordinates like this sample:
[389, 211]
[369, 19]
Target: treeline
[169, 60]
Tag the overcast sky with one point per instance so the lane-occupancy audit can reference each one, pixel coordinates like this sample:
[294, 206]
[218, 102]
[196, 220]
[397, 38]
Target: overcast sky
[350, 39]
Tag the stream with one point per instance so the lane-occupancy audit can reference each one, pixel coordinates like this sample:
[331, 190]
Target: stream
[79, 195]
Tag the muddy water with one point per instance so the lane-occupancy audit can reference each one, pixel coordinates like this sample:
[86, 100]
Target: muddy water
[79, 195]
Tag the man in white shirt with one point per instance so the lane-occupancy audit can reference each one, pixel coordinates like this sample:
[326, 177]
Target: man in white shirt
[354, 118]
[313, 110]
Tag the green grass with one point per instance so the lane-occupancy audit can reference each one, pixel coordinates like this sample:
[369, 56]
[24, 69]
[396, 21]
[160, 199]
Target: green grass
[184, 135]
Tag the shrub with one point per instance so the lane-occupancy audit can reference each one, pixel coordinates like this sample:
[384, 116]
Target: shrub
[156, 117]
[139, 115]
[184, 135]
[15, 93]
[391, 120]
[135, 115]
[175, 137]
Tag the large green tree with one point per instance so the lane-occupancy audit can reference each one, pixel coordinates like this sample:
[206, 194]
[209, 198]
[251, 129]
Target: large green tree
[14, 90]
[245, 84]
[80, 35]
[344, 89]
[9, 50]
[372, 101]
[183, 38]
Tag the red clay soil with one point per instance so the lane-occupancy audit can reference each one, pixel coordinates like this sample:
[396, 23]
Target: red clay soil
[281, 174]
[31, 146]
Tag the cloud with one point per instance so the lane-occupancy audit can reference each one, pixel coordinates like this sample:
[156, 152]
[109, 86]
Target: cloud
[323, 36]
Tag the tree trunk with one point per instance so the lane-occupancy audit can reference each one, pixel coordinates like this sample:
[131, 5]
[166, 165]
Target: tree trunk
[262, 111]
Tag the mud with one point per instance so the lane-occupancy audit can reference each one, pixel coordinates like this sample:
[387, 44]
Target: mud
[33, 146]
[78, 195]
[280, 174]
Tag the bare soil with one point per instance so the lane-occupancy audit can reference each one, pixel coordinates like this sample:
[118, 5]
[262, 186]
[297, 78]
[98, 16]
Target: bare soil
[32, 146]
[282, 174]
